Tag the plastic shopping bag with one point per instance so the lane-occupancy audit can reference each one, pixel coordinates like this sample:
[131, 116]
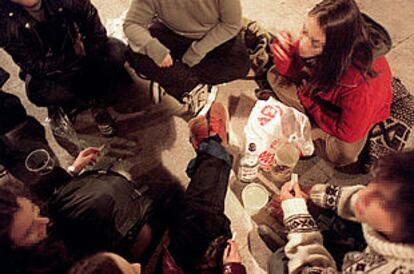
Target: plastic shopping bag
[271, 123]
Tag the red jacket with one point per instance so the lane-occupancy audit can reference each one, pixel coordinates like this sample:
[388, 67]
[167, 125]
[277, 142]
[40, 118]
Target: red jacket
[359, 103]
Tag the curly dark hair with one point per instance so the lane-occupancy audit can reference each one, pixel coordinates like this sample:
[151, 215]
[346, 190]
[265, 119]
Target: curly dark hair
[48, 256]
[398, 168]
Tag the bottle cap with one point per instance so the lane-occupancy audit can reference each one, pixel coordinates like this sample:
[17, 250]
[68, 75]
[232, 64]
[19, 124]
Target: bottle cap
[252, 147]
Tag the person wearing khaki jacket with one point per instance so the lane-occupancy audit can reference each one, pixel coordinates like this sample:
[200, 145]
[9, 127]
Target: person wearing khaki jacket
[383, 207]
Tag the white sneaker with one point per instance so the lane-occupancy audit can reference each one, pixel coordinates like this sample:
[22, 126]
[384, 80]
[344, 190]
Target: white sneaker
[200, 99]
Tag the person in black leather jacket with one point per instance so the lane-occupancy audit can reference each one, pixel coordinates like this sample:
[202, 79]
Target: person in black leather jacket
[65, 56]
[97, 210]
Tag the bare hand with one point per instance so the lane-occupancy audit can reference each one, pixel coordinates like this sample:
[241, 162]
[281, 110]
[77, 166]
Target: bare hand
[231, 253]
[79, 46]
[282, 45]
[86, 157]
[317, 133]
[289, 191]
[167, 62]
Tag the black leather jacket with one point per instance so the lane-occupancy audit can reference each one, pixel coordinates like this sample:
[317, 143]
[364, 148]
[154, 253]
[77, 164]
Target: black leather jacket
[22, 41]
[96, 211]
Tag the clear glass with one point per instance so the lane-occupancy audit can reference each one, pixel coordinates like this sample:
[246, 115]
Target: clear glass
[62, 127]
[40, 162]
[286, 158]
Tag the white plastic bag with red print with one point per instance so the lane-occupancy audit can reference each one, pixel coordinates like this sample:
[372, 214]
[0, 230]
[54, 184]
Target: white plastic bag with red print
[272, 123]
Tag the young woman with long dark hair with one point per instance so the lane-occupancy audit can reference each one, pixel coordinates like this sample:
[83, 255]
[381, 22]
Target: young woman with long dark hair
[342, 80]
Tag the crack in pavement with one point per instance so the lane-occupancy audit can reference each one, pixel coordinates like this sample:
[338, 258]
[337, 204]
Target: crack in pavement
[402, 40]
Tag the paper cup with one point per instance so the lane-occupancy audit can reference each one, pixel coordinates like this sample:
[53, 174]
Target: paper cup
[254, 197]
[286, 158]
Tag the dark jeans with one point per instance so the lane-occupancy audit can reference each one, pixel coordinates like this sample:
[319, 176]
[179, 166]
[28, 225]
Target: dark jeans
[202, 218]
[88, 85]
[227, 62]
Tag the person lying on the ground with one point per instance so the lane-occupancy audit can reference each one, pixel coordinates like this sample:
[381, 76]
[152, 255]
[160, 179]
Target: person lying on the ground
[341, 77]
[186, 46]
[200, 230]
[64, 54]
[94, 211]
[115, 264]
[103, 211]
[384, 207]
[198, 236]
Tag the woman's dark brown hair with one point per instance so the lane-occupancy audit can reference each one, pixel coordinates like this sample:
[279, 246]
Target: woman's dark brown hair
[398, 168]
[99, 263]
[347, 43]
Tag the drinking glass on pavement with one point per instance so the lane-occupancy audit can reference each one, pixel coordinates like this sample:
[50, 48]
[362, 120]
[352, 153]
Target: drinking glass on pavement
[286, 158]
[40, 162]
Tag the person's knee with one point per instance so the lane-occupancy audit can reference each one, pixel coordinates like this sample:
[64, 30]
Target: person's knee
[35, 95]
[116, 52]
[345, 156]
[243, 63]
[137, 61]
[43, 93]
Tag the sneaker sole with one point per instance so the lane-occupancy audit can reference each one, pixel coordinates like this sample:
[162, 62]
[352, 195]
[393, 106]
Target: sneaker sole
[155, 93]
[210, 100]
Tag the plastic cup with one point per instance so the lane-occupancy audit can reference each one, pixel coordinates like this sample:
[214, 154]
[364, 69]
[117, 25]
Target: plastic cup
[286, 158]
[254, 197]
[287, 155]
[40, 162]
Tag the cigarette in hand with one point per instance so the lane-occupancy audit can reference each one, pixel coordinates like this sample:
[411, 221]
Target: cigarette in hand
[234, 236]
[293, 180]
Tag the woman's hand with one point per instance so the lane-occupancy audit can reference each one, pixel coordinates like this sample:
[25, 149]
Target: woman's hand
[281, 47]
[86, 157]
[289, 191]
[231, 253]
